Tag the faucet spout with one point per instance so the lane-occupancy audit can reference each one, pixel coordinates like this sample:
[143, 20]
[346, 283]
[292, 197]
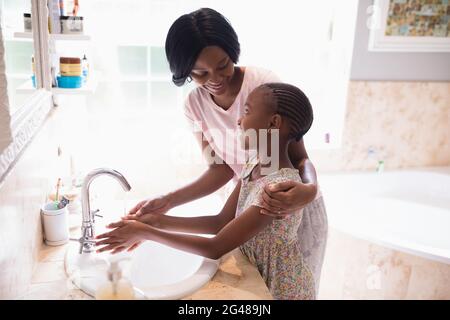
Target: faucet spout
[87, 242]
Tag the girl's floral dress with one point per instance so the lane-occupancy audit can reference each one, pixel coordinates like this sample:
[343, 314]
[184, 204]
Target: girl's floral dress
[275, 251]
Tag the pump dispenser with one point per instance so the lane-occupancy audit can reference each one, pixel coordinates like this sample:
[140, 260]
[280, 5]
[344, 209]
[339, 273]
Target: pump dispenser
[117, 287]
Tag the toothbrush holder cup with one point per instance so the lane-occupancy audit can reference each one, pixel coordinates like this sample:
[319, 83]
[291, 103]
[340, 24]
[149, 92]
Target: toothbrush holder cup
[55, 223]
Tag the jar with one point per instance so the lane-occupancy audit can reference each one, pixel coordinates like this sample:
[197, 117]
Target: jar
[27, 26]
[71, 24]
[70, 66]
[56, 224]
[69, 82]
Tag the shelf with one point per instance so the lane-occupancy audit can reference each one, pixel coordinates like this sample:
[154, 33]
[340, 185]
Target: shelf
[69, 37]
[26, 87]
[18, 75]
[146, 78]
[74, 37]
[87, 89]
[23, 35]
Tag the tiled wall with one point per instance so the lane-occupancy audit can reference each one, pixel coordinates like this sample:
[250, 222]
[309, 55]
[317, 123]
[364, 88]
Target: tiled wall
[21, 196]
[5, 132]
[407, 124]
[375, 272]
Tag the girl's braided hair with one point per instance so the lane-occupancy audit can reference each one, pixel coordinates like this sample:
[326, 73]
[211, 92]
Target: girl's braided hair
[292, 103]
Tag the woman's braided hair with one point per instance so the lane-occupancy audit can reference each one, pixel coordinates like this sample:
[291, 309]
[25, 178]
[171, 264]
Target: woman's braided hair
[292, 103]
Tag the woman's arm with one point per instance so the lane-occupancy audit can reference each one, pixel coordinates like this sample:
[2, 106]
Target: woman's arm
[215, 177]
[300, 160]
[202, 224]
[287, 197]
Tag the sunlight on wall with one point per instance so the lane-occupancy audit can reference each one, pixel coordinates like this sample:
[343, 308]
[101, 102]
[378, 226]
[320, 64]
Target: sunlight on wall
[302, 41]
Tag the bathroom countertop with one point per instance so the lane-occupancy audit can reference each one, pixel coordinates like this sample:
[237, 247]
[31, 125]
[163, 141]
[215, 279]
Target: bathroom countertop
[236, 279]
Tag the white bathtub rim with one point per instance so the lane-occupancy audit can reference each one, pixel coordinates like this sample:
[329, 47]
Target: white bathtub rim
[365, 229]
[426, 252]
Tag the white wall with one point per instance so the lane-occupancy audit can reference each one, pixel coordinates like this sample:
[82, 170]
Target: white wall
[395, 66]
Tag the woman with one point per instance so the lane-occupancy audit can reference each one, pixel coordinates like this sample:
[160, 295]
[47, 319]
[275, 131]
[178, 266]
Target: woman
[202, 46]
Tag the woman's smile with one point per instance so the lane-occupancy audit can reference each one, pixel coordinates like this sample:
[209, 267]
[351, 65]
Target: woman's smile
[216, 88]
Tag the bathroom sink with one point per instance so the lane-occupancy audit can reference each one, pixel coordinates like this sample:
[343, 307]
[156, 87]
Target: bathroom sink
[156, 271]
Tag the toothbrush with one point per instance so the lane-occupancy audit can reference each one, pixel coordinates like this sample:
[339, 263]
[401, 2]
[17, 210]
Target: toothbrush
[57, 192]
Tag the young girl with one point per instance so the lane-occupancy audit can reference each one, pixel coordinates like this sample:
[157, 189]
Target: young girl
[270, 244]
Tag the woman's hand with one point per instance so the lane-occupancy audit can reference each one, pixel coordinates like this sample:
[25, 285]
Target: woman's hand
[128, 234]
[150, 219]
[159, 205]
[283, 198]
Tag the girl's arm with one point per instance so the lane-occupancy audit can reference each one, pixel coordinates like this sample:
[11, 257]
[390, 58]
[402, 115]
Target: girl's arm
[235, 233]
[202, 224]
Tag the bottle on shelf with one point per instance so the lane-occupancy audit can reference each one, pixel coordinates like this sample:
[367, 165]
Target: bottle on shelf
[85, 68]
[33, 69]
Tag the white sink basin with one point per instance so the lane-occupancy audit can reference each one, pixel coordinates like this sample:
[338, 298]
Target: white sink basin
[156, 271]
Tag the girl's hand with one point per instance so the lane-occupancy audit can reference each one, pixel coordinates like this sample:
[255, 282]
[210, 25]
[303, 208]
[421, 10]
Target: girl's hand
[287, 197]
[127, 234]
[159, 205]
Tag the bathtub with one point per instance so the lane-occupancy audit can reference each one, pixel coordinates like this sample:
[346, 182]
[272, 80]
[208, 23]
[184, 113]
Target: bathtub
[405, 210]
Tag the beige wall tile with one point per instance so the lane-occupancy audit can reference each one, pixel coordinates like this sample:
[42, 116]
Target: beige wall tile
[406, 123]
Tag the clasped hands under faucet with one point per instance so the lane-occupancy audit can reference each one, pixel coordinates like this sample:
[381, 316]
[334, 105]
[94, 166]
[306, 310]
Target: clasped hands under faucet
[132, 230]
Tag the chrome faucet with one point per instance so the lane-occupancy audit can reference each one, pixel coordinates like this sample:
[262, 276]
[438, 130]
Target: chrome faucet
[87, 242]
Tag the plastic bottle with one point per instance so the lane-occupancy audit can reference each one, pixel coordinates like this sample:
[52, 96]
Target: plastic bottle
[380, 166]
[117, 287]
[85, 68]
[33, 69]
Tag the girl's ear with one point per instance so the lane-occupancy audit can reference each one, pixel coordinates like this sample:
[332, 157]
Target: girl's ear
[275, 121]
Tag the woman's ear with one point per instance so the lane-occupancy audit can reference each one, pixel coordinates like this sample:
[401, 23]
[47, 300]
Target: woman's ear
[275, 121]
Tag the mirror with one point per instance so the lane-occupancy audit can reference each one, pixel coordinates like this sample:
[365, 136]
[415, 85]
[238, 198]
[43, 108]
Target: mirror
[21, 99]
[16, 56]
[19, 52]
[5, 119]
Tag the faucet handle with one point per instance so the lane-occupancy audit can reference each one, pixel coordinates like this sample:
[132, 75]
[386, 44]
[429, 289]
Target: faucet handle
[82, 241]
[95, 213]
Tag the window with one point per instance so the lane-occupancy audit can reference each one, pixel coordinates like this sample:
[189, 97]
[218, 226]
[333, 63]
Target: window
[292, 38]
